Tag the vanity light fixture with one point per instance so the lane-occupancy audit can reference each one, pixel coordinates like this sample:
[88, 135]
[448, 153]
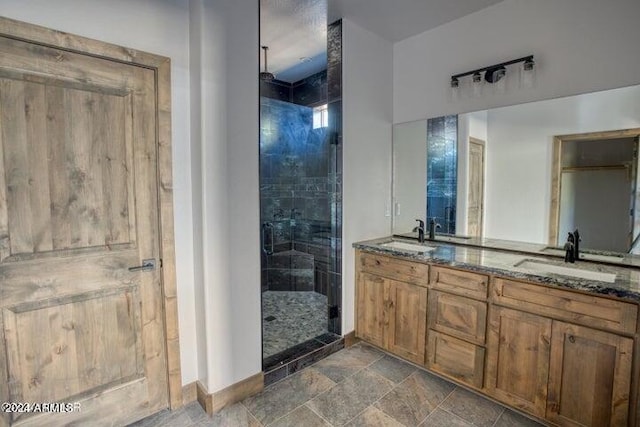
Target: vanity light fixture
[494, 74]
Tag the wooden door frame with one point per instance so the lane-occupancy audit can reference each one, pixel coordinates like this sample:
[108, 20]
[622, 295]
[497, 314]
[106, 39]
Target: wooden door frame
[482, 143]
[161, 66]
[556, 170]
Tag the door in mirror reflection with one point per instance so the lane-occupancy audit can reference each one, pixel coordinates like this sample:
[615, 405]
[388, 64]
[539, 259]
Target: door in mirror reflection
[597, 189]
[475, 200]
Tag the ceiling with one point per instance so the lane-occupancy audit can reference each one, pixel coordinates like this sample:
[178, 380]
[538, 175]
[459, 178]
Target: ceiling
[396, 20]
[295, 30]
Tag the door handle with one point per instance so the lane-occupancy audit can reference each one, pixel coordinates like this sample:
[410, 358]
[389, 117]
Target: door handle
[147, 265]
[267, 226]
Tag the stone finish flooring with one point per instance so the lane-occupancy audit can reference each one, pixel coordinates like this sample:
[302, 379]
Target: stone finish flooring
[290, 318]
[358, 386]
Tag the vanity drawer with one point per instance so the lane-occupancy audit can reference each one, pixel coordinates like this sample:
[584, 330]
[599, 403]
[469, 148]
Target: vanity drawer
[405, 271]
[574, 307]
[459, 316]
[460, 282]
[456, 358]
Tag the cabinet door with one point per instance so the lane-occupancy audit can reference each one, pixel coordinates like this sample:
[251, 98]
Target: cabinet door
[456, 358]
[518, 359]
[407, 320]
[589, 377]
[370, 321]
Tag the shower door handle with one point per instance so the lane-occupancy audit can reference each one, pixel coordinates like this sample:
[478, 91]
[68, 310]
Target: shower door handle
[265, 226]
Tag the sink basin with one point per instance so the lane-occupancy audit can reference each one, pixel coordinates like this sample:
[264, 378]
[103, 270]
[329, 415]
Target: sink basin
[543, 267]
[404, 246]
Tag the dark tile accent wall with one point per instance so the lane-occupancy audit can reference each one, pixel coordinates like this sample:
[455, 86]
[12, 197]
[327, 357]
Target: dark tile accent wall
[276, 89]
[334, 98]
[442, 159]
[294, 177]
[310, 91]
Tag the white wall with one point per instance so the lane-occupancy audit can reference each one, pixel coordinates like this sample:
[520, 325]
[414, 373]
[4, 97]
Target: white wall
[224, 82]
[519, 155]
[196, 12]
[579, 45]
[160, 27]
[367, 115]
[245, 324]
[409, 175]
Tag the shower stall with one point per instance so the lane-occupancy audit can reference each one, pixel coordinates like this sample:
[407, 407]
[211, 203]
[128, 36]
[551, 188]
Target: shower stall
[296, 224]
[301, 212]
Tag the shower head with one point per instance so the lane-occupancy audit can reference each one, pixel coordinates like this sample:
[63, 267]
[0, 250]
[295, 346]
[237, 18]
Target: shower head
[266, 75]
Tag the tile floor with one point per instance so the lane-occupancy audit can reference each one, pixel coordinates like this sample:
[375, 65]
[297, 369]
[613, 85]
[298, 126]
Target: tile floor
[293, 318]
[358, 386]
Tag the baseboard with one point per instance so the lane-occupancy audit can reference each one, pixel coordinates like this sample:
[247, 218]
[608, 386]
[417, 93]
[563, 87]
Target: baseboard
[204, 398]
[350, 339]
[212, 403]
[189, 393]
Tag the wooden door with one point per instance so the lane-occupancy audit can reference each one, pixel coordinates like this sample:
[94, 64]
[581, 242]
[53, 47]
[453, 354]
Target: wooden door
[475, 195]
[518, 346]
[589, 377]
[406, 334]
[371, 301]
[78, 207]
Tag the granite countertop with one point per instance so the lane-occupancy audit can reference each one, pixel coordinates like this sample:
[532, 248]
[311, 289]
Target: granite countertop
[503, 263]
[533, 248]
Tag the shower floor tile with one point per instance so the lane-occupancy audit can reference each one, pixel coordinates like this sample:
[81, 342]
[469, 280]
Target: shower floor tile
[290, 318]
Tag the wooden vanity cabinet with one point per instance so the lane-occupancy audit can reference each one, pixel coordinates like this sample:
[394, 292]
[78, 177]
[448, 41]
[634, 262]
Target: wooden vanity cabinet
[392, 312]
[561, 355]
[572, 374]
[457, 324]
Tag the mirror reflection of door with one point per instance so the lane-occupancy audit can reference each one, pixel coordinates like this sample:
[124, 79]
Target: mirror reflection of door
[597, 189]
[475, 202]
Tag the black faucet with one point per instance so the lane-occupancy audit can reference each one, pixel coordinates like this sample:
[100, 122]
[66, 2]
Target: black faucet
[569, 248]
[572, 247]
[433, 225]
[420, 230]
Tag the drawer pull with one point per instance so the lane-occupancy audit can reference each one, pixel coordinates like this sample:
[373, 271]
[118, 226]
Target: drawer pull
[572, 339]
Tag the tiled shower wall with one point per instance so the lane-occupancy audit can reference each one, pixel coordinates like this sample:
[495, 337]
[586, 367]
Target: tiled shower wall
[442, 161]
[294, 167]
[310, 91]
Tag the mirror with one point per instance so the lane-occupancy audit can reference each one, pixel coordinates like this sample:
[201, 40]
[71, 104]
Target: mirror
[531, 172]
